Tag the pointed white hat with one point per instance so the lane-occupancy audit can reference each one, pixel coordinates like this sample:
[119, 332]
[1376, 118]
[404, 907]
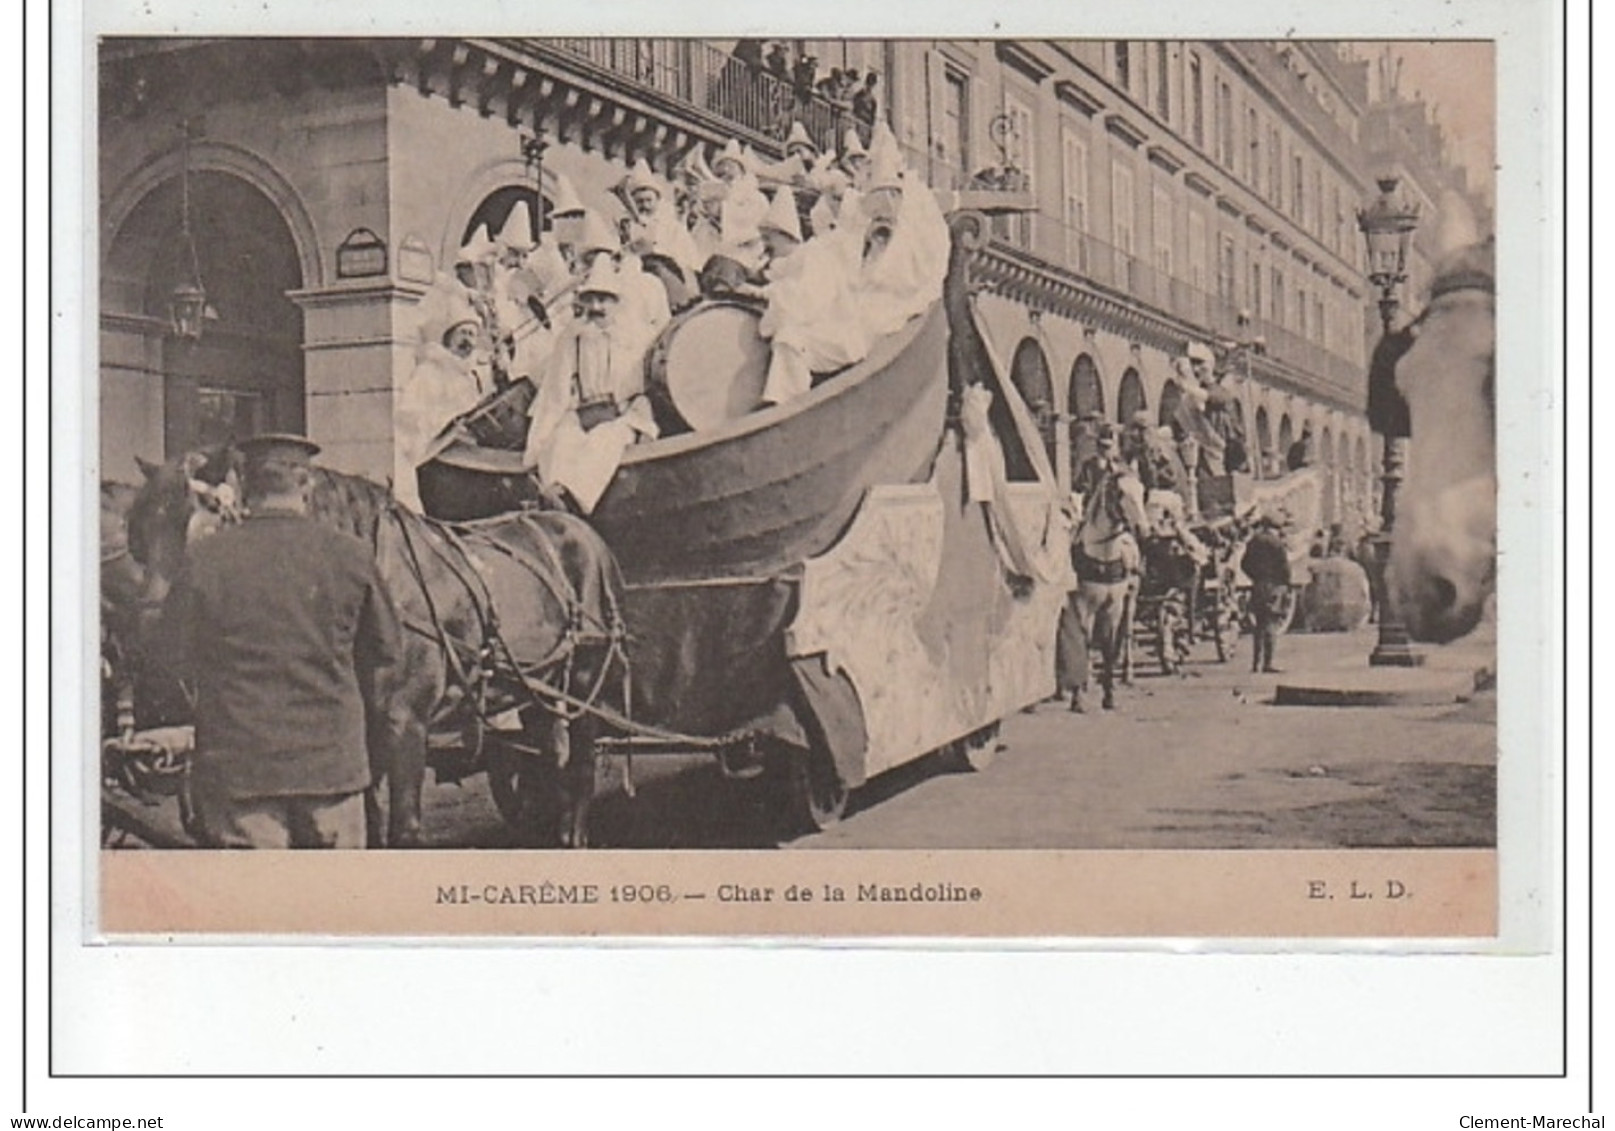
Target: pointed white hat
[517, 234]
[799, 137]
[782, 215]
[603, 278]
[640, 177]
[595, 234]
[852, 146]
[567, 202]
[479, 247]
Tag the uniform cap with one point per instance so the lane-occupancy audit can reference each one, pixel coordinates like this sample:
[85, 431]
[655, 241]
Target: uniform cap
[279, 447]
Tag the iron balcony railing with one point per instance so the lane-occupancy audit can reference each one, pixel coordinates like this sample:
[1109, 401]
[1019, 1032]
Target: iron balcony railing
[709, 78]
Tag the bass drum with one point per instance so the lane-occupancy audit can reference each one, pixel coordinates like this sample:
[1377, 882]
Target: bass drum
[708, 367]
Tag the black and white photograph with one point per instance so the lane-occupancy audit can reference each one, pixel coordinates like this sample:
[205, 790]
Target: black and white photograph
[806, 543]
[753, 443]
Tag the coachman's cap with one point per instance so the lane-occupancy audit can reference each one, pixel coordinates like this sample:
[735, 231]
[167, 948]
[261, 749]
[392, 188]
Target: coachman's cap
[279, 447]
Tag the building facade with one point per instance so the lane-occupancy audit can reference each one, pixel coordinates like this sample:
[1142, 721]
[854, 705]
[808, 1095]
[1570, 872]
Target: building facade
[1184, 191]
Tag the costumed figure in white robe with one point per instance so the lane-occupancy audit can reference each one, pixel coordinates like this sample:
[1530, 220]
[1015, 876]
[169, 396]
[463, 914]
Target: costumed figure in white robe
[591, 405]
[905, 258]
[810, 318]
[654, 232]
[744, 204]
[444, 384]
[855, 159]
[644, 299]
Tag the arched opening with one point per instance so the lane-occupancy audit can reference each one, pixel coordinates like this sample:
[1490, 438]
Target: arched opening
[245, 374]
[1286, 438]
[1086, 398]
[1030, 374]
[1266, 461]
[1130, 398]
[495, 210]
[1171, 394]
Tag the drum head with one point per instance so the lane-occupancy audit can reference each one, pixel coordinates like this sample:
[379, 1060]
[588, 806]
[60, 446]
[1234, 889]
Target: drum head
[710, 366]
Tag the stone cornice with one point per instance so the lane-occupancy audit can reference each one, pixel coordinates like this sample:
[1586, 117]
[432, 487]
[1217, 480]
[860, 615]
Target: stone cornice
[1078, 96]
[1165, 158]
[1014, 53]
[1021, 277]
[1124, 129]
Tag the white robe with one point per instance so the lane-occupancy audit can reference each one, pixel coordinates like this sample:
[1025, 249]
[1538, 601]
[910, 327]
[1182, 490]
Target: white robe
[441, 387]
[905, 279]
[587, 363]
[664, 234]
[811, 317]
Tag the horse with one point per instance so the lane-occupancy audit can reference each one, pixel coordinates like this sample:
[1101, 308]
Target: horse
[519, 613]
[1105, 555]
[1442, 571]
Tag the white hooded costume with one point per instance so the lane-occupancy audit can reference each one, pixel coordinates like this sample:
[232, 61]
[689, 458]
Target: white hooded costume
[441, 387]
[592, 369]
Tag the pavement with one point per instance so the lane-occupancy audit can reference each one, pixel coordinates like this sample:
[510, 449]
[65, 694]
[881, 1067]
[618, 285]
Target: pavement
[1449, 673]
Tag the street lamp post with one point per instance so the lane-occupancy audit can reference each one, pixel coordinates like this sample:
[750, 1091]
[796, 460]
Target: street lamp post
[1387, 226]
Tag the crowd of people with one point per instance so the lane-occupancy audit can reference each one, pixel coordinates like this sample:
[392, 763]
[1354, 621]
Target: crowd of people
[836, 251]
[845, 88]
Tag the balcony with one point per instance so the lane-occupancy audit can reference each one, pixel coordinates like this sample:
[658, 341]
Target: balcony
[705, 78]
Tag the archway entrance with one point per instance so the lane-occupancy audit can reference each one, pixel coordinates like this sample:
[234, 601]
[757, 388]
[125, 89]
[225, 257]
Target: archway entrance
[1085, 397]
[1267, 462]
[1171, 394]
[245, 375]
[1130, 398]
[1030, 374]
[495, 210]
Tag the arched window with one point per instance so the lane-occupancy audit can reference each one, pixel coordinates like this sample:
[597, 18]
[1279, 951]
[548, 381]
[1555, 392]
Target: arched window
[1130, 398]
[1086, 397]
[495, 210]
[1030, 375]
[1286, 438]
[245, 374]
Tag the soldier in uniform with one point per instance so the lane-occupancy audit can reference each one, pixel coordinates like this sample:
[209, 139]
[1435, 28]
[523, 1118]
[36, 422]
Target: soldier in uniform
[293, 643]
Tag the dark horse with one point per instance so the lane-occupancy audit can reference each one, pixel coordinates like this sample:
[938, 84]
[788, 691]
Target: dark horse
[520, 613]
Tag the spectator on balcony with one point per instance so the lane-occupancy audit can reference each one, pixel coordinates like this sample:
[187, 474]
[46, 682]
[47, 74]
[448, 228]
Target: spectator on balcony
[866, 102]
[804, 74]
[749, 52]
[830, 87]
[779, 63]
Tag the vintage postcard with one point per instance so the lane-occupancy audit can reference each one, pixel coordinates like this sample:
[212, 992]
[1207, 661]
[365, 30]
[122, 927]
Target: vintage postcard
[949, 488]
[933, 489]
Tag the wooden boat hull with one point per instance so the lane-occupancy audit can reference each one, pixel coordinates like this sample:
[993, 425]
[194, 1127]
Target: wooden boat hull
[760, 494]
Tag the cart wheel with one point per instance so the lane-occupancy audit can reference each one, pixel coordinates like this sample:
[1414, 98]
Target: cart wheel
[523, 792]
[817, 793]
[975, 751]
